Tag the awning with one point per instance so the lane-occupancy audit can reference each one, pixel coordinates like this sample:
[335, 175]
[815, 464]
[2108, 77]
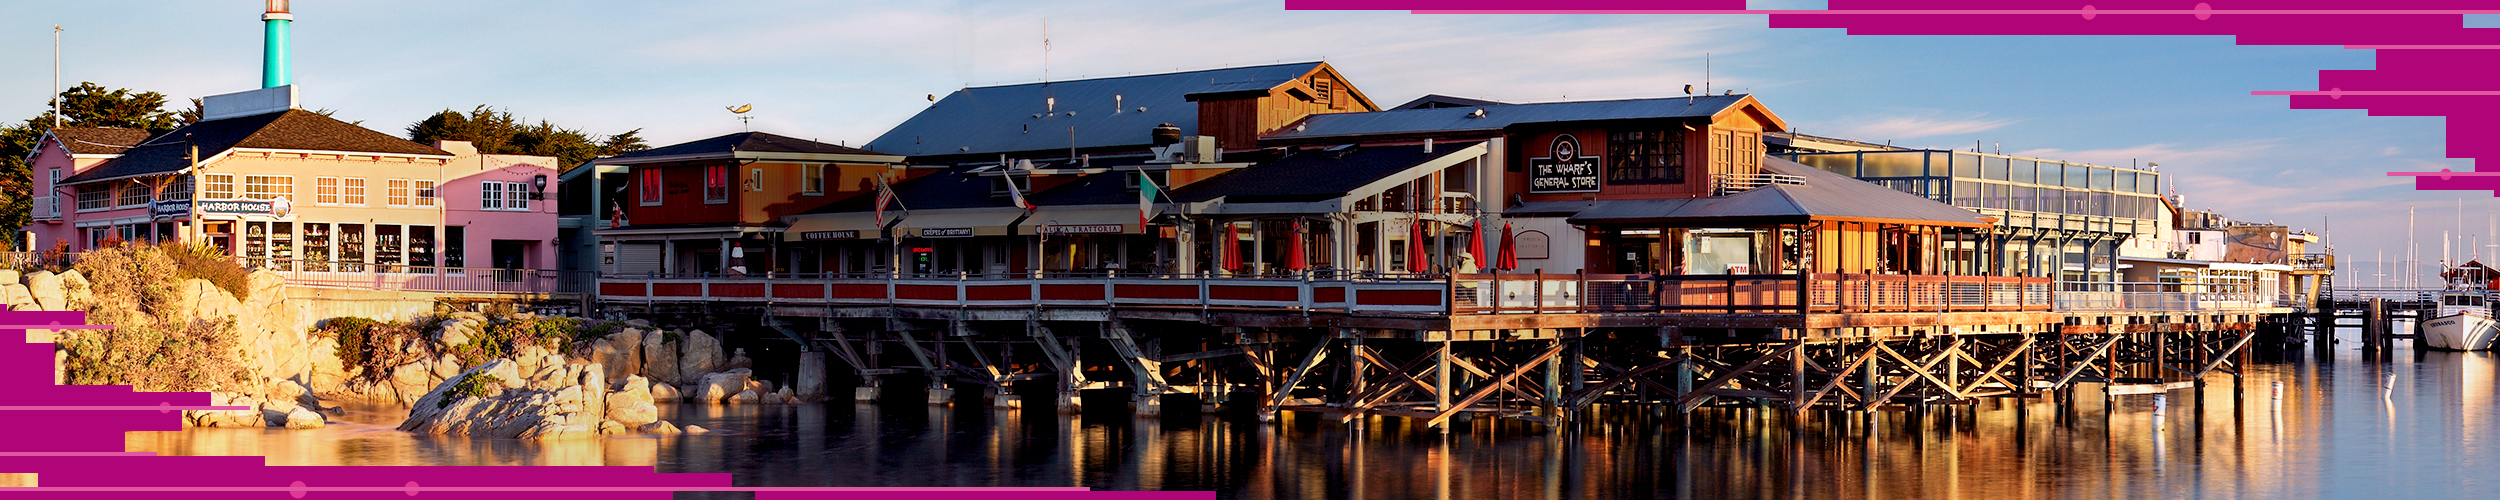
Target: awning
[1049, 222]
[832, 227]
[955, 224]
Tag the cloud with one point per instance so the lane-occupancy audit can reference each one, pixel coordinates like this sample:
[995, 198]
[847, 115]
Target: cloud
[2391, 151]
[2171, 154]
[1911, 127]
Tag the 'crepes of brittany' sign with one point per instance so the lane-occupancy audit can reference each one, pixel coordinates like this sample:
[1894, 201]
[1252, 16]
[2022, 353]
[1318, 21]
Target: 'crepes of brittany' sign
[1565, 170]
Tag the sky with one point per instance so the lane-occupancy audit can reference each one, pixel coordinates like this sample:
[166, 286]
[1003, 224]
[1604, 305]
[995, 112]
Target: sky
[846, 71]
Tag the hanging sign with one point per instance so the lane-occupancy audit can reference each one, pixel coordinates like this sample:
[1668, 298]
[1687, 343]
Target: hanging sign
[273, 207]
[829, 235]
[946, 232]
[1085, 229]
[1564, 169]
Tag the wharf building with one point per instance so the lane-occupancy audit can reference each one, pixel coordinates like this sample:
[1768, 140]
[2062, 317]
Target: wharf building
[296, 191]
[1269, 231]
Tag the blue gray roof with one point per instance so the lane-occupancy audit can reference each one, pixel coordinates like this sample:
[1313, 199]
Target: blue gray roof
[1010, 118]
[1499, 116]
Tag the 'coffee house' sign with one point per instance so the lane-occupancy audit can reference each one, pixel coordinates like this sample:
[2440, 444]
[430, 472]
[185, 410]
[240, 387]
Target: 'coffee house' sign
[1563, 170]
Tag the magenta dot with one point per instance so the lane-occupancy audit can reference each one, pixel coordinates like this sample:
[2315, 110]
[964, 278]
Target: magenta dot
[2204, 11]
[295, 490]
[2445, 177]
[412, 488]
[2335, 93]
[167, 405]
[2088, 13]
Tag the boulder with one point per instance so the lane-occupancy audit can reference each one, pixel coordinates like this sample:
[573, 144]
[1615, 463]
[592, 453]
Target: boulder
[639, 323]
[786, 396]
[514, 408]
[738, 360]
[251, 417]
[697, 355]
[663, 393]
[197, 298]
[10, 276]
[633, 406]
[458, 331]
[301, 418]
[60, 362]
[661, 427]
[696, 429]
[80, 290]
[15, 297]
[612, 427]
[659, 358]
[446, 367]
[411, 381]
[47, 291]
[745, 398]
[720, 386]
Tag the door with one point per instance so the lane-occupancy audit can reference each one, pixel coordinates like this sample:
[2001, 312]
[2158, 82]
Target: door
[509, 258]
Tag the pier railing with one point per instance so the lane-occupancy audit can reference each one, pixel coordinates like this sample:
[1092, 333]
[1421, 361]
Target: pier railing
[435, 279]
[2118, 296]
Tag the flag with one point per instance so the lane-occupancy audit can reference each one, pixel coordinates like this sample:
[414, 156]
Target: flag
[1146, 192]
[616, 215]
[1015, 192]
[885, 195]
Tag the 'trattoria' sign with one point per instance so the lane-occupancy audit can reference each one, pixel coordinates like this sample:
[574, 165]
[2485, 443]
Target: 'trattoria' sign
[1085, 229]
[1565, 170]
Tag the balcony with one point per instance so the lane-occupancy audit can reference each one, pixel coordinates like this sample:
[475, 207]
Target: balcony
[1727, 184]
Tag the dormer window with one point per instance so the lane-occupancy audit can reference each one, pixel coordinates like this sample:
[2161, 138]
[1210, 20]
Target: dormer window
[998, 186]
[1162, 179]
[1324, 90]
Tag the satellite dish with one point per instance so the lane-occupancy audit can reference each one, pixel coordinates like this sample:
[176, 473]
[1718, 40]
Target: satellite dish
[742, 108]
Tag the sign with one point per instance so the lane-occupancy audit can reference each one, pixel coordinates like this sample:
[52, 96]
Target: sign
[274, 207]
[1085, 229]
[1564, 169]
[946, 232]
[829, 235]
[169, 209]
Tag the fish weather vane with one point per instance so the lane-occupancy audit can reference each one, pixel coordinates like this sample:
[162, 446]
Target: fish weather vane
[743, 119]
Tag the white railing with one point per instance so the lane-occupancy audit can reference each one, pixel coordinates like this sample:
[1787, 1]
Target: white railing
[1727, 184]
[44, 209]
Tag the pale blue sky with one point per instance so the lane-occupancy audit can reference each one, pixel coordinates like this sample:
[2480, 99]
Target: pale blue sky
[845, 71]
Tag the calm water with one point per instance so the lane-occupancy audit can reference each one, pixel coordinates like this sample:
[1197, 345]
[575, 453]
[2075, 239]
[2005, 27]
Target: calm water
[2340, 430]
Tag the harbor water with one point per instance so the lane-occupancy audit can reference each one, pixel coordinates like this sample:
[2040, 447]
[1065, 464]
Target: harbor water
[2420, 426]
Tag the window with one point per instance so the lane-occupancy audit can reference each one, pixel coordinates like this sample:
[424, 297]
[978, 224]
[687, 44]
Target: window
[716, 184]
[812, 179]
[178, 190]
[397, 193]
[220, 187]
[1324, 90]
[503, 196]
[1645, 157]
[755, 179]
[352, 191]
[425, 193]
[268, 187]
[650, 186]
[325, 190]
[455, 251]
[94, 197]
[1722, 153]
[133, 194]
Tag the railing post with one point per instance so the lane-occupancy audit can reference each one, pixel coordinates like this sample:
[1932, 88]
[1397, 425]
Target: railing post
[1538, 292]
[1582, 305]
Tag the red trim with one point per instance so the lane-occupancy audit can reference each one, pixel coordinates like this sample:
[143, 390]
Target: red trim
[1072, 292]
[924, 292]
[1398, 297]
[1154, 291]
[623, 289]
[998, 292]
[792, 291]
[1264, 293]
[677, 289]
[744, 290]
[1328, 295]
[843, 291]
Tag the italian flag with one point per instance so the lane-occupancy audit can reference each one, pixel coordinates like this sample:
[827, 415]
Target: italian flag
[1146, 193]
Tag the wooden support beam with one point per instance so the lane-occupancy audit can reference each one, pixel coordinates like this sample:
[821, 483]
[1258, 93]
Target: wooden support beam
[1589, 394]
[1690, 400]
[1914, 368]
[2086, 362]
[1380, 394]
[1319, 351]
[1994, 370]
[1149, 373]
[1217, 353]
[1839, 377]
[1494, 385]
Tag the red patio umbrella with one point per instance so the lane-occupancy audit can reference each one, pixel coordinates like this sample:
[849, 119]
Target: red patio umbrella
[1295, 257]
[1508, 257]
[1231, 247]
[1475, 243]
[1415, 250]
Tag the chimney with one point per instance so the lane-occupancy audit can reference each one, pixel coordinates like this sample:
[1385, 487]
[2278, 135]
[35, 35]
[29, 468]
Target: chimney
[457, 148]
[274, 72]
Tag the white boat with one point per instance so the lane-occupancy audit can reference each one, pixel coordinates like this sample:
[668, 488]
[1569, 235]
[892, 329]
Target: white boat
[2464, 323]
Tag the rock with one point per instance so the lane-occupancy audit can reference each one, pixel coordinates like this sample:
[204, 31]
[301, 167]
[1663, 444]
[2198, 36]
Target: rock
[410, 381]
[446, 367]
[698, 355]
[457, 331]
[60, 363]
[720, 386]
[659, 358]
[696, 429]
[80, 290]
[301, 418]
[664, 393]
[738, 360]
[612, 427]
[10, 276]
[197, 298]
[47, 291]
[660, 427]
[15, 297]
[639, 323]
[251, 417]
[745, 398]
[512, 409]
[629, 352]
[770, 398]
[787, 396]
[633, 406]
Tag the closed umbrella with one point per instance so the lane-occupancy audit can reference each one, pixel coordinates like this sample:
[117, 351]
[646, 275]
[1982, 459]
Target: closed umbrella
[1295, 257]
[1415, 250]
[1231, 247]
[1508, 257]
[1475, 242]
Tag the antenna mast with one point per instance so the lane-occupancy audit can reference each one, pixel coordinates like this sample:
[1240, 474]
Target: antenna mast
[1045, 50]
[56, 76]
[1705, 73]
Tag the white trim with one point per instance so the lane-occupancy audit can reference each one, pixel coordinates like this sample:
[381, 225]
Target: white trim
[755, 155]
[342, 153]
[1418, 171]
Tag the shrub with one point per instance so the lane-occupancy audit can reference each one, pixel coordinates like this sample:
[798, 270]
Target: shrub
[369, 348]
[128, 284]
[470, 386]
[201, 261]
[177, 357]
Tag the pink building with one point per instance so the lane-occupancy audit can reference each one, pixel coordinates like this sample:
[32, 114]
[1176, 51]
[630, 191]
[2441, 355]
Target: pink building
[293, 190]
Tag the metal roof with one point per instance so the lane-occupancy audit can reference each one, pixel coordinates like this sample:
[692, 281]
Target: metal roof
[758, 142]
[292, 129]
[1824, 195]
[1012, 118]
[1497, 117]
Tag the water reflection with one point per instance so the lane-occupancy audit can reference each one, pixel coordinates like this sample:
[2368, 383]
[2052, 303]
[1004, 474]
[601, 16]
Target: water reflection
[2338, 429]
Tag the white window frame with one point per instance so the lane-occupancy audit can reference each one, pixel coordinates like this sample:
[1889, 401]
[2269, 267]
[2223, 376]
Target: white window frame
[352, 191]
[712, 194]
[218, 187]
[396, 192]
[123, 190]
[325, 191]
[490, 196]
[653, 185]
[273, 186]
[516, 196]
[424, 194]
[812, 180]
[755, 179]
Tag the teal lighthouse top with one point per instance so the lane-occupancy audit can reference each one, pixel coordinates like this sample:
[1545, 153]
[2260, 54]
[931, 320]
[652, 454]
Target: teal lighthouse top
[273, 64]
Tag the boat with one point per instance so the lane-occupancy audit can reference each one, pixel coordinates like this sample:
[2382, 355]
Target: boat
[2464, 320]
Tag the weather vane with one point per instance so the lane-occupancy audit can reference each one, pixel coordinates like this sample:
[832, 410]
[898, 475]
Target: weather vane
[744, 120]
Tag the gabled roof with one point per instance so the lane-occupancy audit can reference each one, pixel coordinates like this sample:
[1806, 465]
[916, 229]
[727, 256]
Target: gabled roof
[1824, 195]
[293, 129]
[1500, 116]
[743, 142]
[98, 140]
[1445, 101]
[1011, 118]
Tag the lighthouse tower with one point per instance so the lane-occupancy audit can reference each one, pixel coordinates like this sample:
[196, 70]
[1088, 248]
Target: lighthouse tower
[273, 65]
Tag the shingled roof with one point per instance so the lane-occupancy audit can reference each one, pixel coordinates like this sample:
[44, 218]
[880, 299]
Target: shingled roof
[1012, 118]
[293, 129]
[751, 142]
[98, 140]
